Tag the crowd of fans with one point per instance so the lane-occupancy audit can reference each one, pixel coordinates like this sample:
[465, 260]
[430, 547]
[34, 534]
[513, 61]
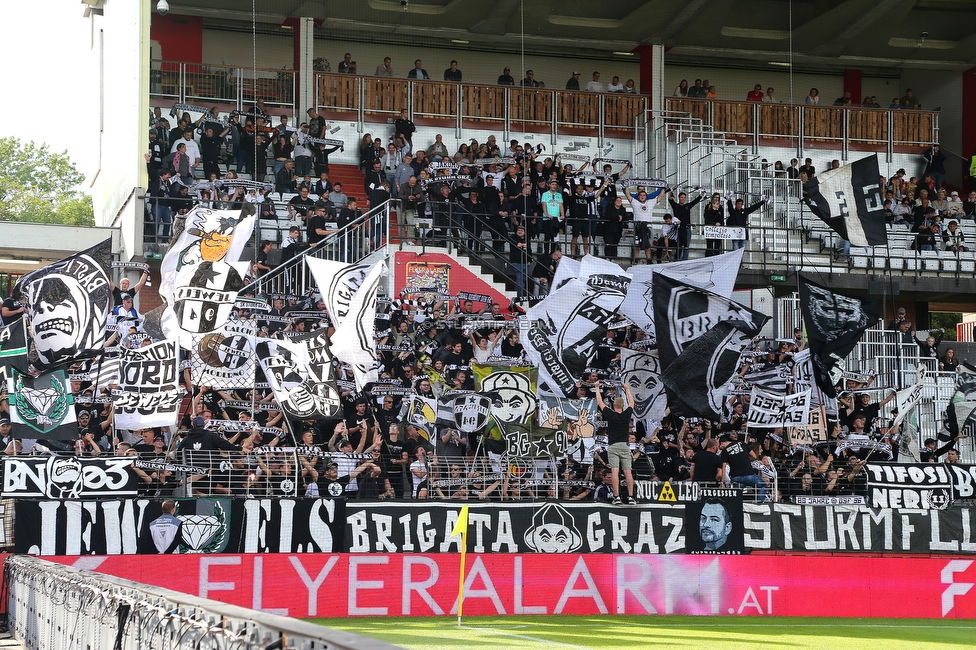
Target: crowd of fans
[377, 447]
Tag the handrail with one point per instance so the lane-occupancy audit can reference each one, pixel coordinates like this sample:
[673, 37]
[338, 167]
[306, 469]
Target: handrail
[353, 243]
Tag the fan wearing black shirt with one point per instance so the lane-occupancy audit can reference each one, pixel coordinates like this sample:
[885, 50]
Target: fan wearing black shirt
[210, 151]
[706, 467]
[741, 471]
[300, 205]
[618, 421]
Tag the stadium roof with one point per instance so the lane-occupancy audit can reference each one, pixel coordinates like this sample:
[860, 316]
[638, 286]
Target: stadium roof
[825, 34]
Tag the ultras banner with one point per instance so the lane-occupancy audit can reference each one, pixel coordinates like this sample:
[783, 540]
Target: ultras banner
[149, 394]
[207, 525]
[404, 584]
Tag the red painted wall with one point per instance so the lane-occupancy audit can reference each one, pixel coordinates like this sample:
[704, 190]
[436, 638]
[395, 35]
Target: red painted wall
[852, 82]
[646, 80]
[179, 37]
[461, 278]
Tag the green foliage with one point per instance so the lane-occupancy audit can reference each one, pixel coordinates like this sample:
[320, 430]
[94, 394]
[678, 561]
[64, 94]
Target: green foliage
[39, 186]
[948, 320]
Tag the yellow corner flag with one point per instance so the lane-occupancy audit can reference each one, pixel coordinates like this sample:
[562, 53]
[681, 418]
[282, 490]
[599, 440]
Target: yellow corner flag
[461, 528]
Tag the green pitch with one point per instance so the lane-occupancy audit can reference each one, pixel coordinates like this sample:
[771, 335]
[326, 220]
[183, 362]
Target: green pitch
[673, 632]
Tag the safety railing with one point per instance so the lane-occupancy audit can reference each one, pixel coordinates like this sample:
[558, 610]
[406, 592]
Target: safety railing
[509, 108]
[52, 607]
[800, 125]
[220, 84]
[359, 239]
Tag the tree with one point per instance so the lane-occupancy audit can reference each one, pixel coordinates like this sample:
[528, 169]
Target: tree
[40, 186]
[948, 320]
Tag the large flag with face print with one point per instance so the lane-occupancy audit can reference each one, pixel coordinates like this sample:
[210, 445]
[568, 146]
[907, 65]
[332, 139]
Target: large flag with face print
[850, 200]
[67, 307]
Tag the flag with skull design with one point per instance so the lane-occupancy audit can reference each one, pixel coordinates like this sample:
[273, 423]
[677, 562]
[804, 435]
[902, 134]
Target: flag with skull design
[67, 307]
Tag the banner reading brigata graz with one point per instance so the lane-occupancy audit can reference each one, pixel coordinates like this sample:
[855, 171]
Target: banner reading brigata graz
[405, 584]
[206, 525]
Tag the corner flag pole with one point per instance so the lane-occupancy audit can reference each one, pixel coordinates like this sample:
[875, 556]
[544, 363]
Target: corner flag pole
[461, 528]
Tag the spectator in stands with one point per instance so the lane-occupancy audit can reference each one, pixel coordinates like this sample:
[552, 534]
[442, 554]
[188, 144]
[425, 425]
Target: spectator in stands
[682, 212]
[713, 215]
[682, 89]
[949, 362]
[261, 264]
[285, 179]
[530, 81]
[895, 103]
[756, 94]
[418, 71]
[614, 218]
[506, 78]
[929, 348]
[768, 97]
[452, 73]
[337, 197]
[594, 85]
[292, 245]
[843, 100]
[697, 91]
[282, 148]
[711, 93]
[347, 65]
[969, 205]
[385, 69]
[925, 238]
[739, 217]
[813, 99]
[630, 88]
[910, 100]
[615, 86]
[438, 151]
[573, 83]
[260, 151]
[808, 168]
[935, 164]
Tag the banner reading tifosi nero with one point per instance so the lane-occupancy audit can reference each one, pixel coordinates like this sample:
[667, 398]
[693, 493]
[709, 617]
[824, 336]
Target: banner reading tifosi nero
[919, 485]
[205, 525]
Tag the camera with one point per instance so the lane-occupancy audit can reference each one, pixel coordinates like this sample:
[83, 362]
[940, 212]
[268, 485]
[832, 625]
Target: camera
[162, 7]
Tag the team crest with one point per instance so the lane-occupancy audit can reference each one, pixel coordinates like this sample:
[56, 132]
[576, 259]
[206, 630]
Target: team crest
[43, 404]
[207, 529]
[471, 412]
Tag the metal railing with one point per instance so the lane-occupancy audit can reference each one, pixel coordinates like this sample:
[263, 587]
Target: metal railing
[237, 86]
[799, 125]
[55, 607]
[363, 238]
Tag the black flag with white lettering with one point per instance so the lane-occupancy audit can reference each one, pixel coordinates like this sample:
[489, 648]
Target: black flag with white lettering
[834, 323]
[683, 313]
[850, 200]
[698, 377]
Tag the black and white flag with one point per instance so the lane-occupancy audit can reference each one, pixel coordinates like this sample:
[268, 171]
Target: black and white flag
[67, 307]
[338, 283]
[850, 201]
[683, 313]
[699, 375]
[715, 274]
[354, 341]
[286, 367]
[566, 328]
[224, 359]
[834, 324]
[149, 393]
[908, 398]
[771, 411]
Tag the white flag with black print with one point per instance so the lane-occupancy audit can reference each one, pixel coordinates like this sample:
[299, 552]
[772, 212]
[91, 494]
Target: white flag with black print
[771, 411]
[716, 274]
[354, 341]
[286, 367]
[850, 200]
[224, 359]
[338, 283]
[149, 393]
[565, 329]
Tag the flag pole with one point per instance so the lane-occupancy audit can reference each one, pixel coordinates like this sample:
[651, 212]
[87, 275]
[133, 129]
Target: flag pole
[461, 528]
